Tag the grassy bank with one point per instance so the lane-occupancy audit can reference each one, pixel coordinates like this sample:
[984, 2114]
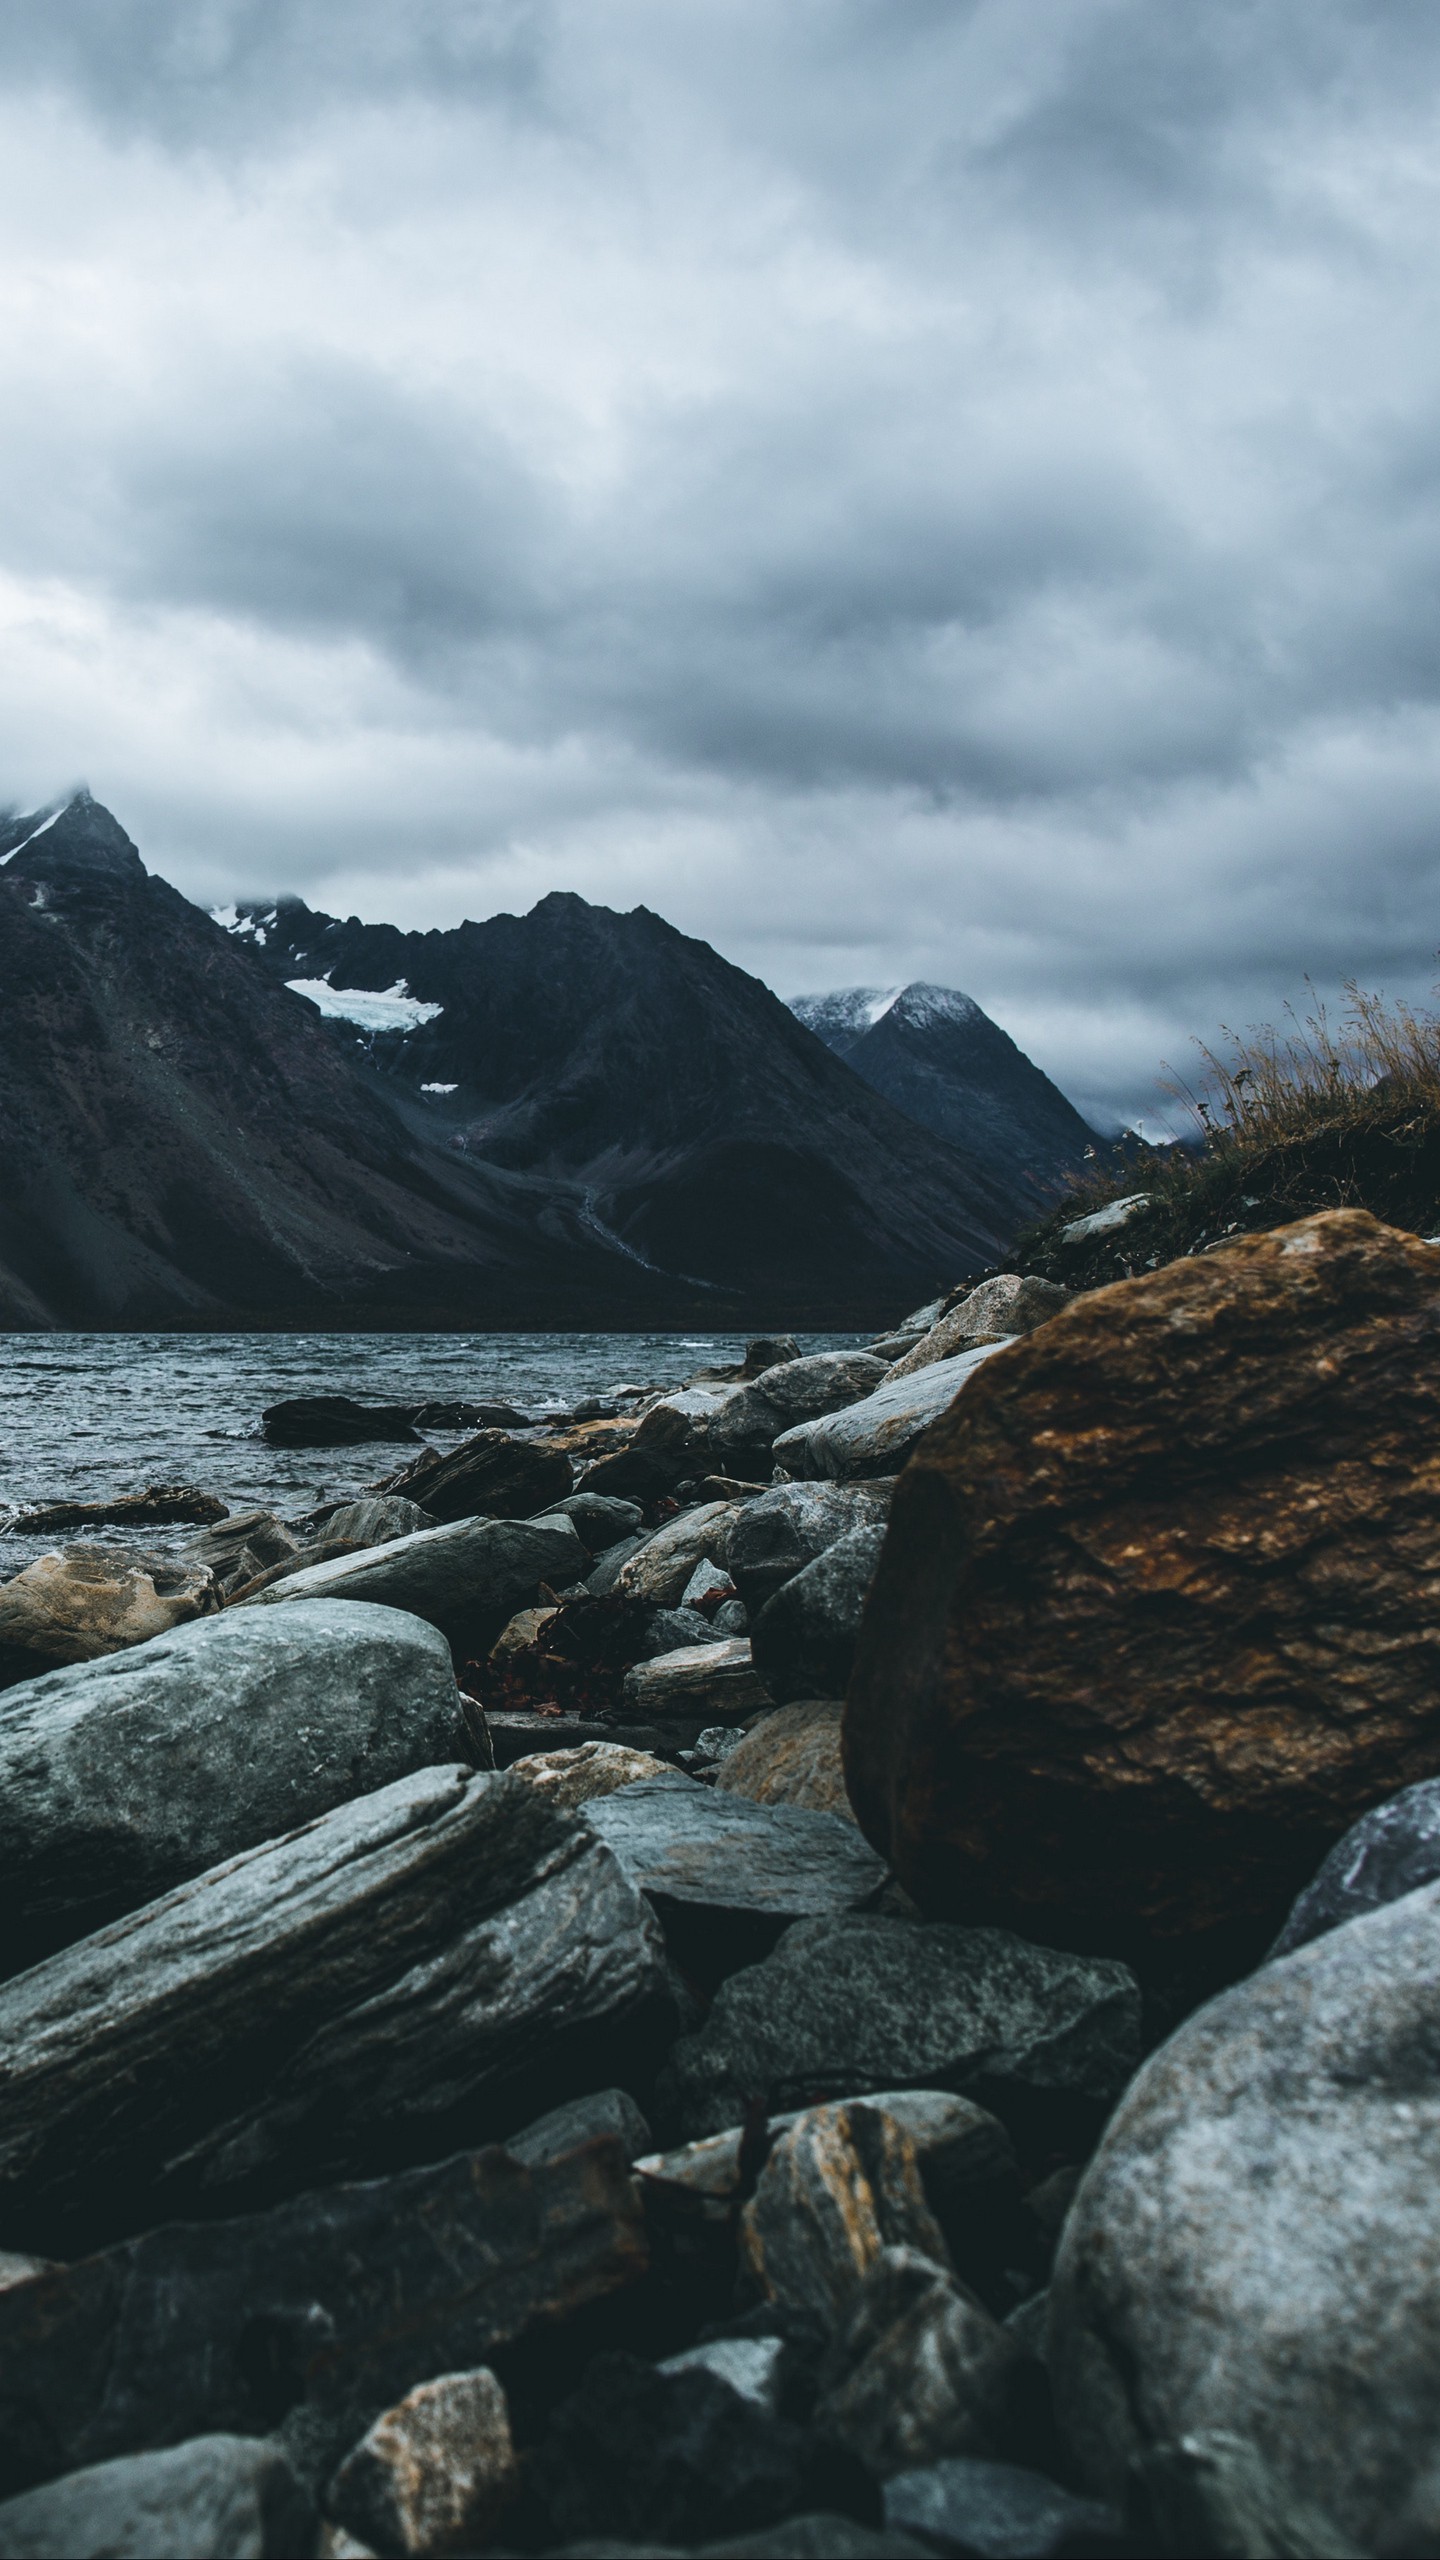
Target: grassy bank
[1318, 1116]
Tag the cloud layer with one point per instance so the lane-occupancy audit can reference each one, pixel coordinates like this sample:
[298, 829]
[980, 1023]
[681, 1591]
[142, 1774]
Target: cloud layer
[945, 491]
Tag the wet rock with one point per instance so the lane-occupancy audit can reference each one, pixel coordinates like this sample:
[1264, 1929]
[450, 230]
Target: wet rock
[737, 1435]
[877, 1437]
[997, 1311]
[417, 1968]
[961, 2149]
[606, 1574]
[492, 1476]
[210, 2499]
[523, 1733]
[1159, 1610]
[435, 2473]
[612, 2113]
[1386, 1854]
[671, 1630]
[721, 1863]
[858, 2003]
[1254, 2251]
[466, 1578]
[714, 1683]
[602, 1520]
[803, 1641]
[998, 2511]
[95, 1600]
[919, 2371]
[313, 2317]
[659, 1451]
[660, 2458]
[334, 1422]
[792, 1757]
[772, 1538]
[160, 1506]
[119, 1779]
[488, 1415]
[660, 1569]
[751, 2366]
[243, 1545]
[841, 2185]
[707, 1587]
[375, 1519]
[732, 1618]
[593, 1769]
[1212, 2492]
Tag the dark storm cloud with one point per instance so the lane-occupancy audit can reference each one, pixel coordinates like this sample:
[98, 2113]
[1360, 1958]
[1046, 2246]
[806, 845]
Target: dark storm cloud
[946, 490]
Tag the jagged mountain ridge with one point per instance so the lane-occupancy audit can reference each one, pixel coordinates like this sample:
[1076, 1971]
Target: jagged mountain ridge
[182, 1143]
[936, 1054]
[714, 1135]
[186, 1142]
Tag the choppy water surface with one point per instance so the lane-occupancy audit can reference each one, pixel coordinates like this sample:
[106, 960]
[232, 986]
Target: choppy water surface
[87, 1415]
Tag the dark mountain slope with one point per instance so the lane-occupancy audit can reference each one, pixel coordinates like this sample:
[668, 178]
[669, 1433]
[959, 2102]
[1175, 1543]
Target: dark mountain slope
[713, 1134]
[938, 1057]
[182, 1142]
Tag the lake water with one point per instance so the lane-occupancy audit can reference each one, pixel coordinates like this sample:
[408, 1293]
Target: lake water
[84, 1416]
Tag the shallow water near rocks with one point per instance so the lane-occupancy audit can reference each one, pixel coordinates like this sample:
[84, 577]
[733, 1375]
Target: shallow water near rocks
[84, 1416]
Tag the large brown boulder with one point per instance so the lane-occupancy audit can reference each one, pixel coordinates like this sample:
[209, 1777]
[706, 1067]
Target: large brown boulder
[1159, 1610]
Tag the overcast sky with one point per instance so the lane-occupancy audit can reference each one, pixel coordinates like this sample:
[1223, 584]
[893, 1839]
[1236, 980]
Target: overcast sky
[940, 488]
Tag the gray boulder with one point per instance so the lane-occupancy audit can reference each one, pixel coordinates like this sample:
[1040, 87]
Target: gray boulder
[853, 2004]
[215, 2498]
[774, 1537]
[428, 1963]
[920, 2369]
[606, 1574]
[715, 1682]
[997, 2509]
[467, 1578]
[875, 1438]
[659, 1570]
[1386, 1854]
[601, 1519]
[120, 1778]
[736, 1436]
[244, 1544]
[1254, 2253]
[313, 2317]
[671, 1630]
[995, 1312]
[376, 1520]
[803, 1641]
[720, 1855]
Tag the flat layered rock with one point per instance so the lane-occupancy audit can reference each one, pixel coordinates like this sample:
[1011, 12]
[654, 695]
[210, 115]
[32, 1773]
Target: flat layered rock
[686, 1843]
[312, 2318]
[716, 1683]
[466, 1578]
[876, 1437]
[857, 2003]
[425, 1965]
[120, 1778]
[1158, 1615]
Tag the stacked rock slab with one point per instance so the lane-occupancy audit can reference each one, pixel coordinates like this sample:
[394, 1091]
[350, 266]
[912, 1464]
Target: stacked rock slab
[421, 1968]
[1159, 1610]
[120, 1778]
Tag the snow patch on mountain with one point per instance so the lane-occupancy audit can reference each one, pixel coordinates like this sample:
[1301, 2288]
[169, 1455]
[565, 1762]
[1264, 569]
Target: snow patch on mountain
[847, 1013]
[393, 1010]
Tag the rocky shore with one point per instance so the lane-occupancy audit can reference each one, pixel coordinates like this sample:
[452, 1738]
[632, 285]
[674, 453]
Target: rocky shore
[838, 1960]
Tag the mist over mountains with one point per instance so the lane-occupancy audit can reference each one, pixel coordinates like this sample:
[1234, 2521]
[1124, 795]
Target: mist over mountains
[568, 1117]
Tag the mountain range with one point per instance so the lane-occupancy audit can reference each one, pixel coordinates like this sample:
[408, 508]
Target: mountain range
[941, 1060]
[275, 1118]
